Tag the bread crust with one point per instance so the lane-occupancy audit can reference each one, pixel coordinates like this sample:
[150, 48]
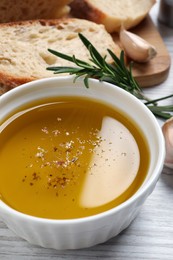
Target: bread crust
[10, 82]
[85, 10]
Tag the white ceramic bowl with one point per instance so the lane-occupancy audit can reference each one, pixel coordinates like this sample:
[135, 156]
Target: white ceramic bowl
[88, 231]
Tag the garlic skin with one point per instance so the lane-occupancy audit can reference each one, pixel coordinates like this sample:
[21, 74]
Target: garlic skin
[135, 47]
[167, 130]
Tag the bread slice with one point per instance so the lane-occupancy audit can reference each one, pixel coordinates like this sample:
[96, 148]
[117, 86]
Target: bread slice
[32, 9]
[23, 47]
[112, 13]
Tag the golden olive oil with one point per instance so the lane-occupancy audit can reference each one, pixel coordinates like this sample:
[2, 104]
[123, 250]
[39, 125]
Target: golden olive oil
[70, 158]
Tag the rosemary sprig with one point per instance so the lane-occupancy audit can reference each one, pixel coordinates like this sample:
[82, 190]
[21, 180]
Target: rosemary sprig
[116, 73]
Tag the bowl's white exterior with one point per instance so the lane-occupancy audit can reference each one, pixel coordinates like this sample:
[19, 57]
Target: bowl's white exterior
[84, 232]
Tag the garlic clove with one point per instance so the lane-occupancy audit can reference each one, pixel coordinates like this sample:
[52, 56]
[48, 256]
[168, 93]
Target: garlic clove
[136, 47]
[167, 130]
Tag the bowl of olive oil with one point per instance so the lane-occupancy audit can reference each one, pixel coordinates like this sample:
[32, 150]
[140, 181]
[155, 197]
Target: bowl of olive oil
[77, 163]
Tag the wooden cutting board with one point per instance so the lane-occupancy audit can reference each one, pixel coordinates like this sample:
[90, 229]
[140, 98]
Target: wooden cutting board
[155, 71]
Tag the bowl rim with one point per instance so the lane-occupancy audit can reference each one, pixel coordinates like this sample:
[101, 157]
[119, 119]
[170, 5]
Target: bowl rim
[140, 192]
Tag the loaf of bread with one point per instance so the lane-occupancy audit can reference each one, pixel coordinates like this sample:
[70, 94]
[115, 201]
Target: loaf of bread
[17, 10]
[112, 13]
[23, 47]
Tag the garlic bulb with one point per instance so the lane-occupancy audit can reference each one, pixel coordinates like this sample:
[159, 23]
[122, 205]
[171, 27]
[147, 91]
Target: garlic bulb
[167, 130]
[135, 47]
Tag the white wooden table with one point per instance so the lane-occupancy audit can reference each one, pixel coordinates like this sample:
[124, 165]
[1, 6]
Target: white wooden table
[150, 236]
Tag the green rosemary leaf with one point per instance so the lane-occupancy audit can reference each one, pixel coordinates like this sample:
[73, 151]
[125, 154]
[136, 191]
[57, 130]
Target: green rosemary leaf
[69, 58]
[78, 76]
[115, 58]
[168, 108]
[122, 62]
[82, 64]
[161, 114]
[134, 82]
[91, 48]
[158, 99]
[96, 60]
[61, 55]
[86, 81]
[60, 69]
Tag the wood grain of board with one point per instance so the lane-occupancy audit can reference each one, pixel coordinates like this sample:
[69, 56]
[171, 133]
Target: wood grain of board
[156, 70]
